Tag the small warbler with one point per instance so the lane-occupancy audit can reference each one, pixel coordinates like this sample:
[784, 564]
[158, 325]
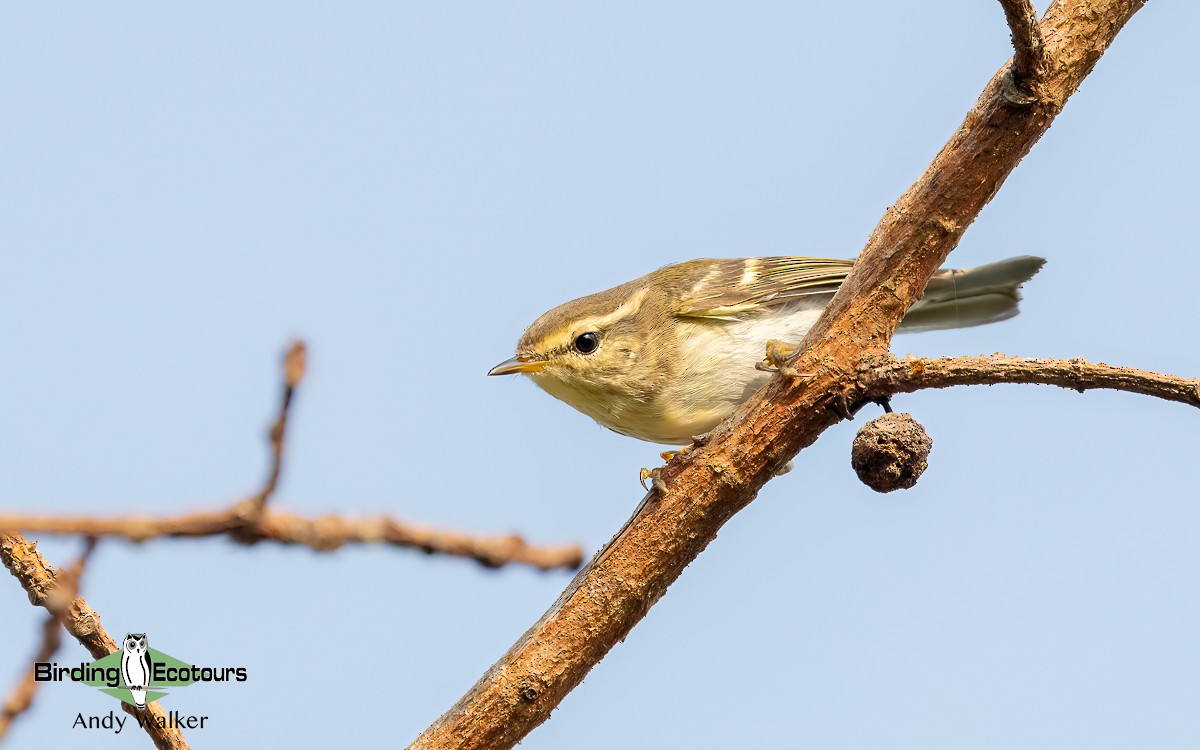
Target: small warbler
[669, 355]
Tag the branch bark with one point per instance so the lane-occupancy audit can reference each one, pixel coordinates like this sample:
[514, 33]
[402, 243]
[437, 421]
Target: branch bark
[46, 588]
[702, 487]
[915, 374]
[21, 697]
[1028, 51]
[294, 365]
[323, 534]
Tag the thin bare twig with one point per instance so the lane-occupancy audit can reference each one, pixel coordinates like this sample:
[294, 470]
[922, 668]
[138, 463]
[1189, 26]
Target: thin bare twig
[294, 365]
[250, 521]
[21, 697]
[1028, 51]
[703, 486]
[49, 588]
[915, 374]
[323, 534]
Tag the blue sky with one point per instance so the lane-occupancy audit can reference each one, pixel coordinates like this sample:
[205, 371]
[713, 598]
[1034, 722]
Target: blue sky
[406, 186]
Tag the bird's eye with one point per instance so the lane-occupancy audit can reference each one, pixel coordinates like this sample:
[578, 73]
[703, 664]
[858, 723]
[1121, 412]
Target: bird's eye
[586, 343]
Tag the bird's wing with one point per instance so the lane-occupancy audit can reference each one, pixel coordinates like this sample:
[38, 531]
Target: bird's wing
[732, 287]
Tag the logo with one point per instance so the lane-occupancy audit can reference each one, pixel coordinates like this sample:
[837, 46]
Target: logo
[137, 675]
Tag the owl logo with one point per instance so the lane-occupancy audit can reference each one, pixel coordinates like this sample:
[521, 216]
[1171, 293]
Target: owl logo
[135, 666]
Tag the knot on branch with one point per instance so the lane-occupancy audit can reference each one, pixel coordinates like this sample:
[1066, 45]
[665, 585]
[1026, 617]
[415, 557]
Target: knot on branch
[1023, 83]
[1017, 91]
[891, 452]
[528, 692]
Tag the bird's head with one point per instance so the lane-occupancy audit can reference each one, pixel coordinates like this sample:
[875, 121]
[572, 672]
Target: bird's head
[593, 352]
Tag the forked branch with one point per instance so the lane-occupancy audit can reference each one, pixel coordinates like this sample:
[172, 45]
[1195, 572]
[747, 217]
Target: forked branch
[21, 697]
[47, 588]
[1029, 51]
[702, 487]
[250, 521]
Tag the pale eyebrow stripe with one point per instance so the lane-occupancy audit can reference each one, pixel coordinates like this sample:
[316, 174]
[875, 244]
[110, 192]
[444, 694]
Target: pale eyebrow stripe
[625, 309]
[596, 322]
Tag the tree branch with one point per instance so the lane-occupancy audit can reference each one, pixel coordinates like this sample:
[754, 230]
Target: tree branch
[21, 697]
[46, 588]
[249, 521]
[702, 487]
[915, 374]
[323, 534]
[1029, 51]
[294, 364]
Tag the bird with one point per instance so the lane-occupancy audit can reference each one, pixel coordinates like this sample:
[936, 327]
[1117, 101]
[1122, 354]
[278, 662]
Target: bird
[667, 356]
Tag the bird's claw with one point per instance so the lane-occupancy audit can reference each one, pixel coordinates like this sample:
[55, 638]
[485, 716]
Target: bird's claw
[656, 482]
[840, 404]
[777, 359]
[653, 475]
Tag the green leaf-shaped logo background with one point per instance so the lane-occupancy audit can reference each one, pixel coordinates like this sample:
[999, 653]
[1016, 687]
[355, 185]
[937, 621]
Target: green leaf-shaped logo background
[181, 676]
[127, 697]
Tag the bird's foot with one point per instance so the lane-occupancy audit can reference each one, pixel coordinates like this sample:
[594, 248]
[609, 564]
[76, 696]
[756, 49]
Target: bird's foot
[655, 477]
[777, 359]
[840, 404]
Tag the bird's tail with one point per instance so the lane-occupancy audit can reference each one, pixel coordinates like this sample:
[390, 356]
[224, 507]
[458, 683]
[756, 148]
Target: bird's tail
[961, 298]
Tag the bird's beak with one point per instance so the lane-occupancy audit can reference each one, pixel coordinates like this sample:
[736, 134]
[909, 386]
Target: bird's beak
[521, 363]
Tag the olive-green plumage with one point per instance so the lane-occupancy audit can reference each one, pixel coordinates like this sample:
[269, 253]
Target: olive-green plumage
[669, 355]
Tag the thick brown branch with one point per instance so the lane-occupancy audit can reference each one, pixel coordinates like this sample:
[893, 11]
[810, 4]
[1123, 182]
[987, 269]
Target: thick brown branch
[915, 235]
[703, 487]
[324, 533]
[913, 374]
[21, 697]
[46, 588]
[1028, 51]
